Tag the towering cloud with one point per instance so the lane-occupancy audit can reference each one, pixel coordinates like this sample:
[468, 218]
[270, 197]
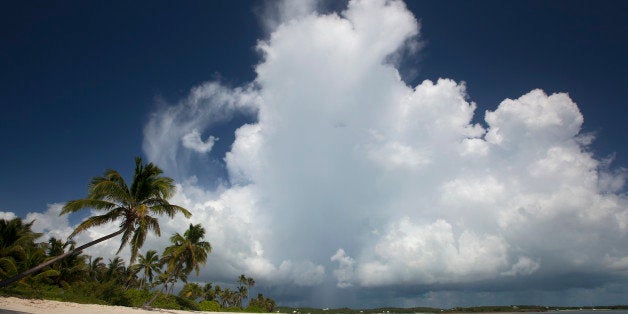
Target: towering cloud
[350, 179]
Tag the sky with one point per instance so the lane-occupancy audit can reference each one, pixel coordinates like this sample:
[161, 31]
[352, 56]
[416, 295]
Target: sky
[362, 153]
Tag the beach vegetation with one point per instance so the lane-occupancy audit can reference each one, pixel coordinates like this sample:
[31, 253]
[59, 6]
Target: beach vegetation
[187, 253]
[56, 269]
[135, 207]
[87, 279]
[150, 266]
[211, 306]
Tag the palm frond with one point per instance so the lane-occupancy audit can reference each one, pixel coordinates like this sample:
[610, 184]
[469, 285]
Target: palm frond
[125, 238]
[109, 190]
[46, 274]
[109, 175]
[76, 205]
[93, 221]
[177, 239]
[170, 210]
[138, 240]
[152, 223]
[162, 187]
[8, 266]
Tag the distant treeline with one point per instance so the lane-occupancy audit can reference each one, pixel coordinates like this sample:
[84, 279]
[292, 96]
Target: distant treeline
[474, 309]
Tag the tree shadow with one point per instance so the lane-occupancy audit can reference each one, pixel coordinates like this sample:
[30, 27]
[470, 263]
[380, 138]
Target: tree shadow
[3, 311]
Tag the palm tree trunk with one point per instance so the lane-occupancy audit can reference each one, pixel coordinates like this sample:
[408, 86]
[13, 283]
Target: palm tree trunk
[41, 266]
[171, 287]
[157, 293]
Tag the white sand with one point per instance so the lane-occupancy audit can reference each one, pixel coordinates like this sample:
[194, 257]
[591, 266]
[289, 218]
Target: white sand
[13, 305]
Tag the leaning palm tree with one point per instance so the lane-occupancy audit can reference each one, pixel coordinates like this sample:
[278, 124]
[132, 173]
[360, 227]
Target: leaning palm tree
[133, 206]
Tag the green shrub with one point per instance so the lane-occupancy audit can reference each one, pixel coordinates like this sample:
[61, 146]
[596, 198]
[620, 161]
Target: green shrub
[137, 297]
[211, 306]
[98, 293]
[187, 304]
[232, 309]
[168, 302]
[255, 309]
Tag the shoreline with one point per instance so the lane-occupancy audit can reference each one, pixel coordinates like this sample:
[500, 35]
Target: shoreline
[14, 305]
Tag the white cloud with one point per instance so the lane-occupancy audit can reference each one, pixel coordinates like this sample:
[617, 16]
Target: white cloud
[278, 12]
[172, 127]
[50, 223]
[344, 274]
[425, 254]
[193, 141]
[7, 215]
[344, 156]
[534, 119]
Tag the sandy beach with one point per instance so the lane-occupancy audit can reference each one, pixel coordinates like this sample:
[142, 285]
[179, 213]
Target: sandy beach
[13, 305]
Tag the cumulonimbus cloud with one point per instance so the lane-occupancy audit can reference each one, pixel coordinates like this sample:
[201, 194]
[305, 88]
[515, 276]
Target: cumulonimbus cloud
[350, 179]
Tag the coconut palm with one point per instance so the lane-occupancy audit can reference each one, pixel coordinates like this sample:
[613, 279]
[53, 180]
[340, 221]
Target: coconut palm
[16, 240]
[129, 277]
[131, 206]
[70, 269]
[209, 293]
[115, 269]
[191, 291]
[186, 253]
[263, 303]
[228, 298]
[96, 268]
[189, 250]
[150, 265]
[169, 277]
[243, 289]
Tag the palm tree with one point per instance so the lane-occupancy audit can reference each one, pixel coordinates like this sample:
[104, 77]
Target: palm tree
[228, 298]
[189, 250]
[16, 238]
[263, 303]
[186, 253]
[149, 265]
[218, 295]
[115, 269]
[243, 289]
[209, 293]
[132, 206]
[70, 269]
[191, 291]
[129, 278]
[166, 278]
[96, 268]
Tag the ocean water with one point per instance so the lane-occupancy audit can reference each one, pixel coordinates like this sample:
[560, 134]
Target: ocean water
[579, 312]
[559, 312]
[595, 312]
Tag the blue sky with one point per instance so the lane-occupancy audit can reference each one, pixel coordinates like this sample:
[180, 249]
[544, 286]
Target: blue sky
[86, 85]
